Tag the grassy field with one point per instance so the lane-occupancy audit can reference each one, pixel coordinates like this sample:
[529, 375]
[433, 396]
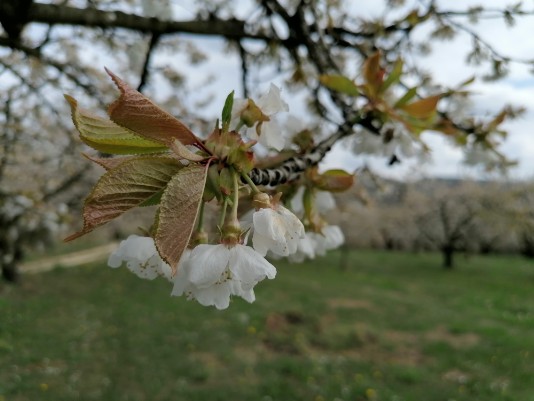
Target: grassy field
[391, 326]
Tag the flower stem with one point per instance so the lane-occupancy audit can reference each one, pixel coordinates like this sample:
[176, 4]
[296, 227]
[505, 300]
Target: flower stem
[200, 225]
[250, 183]
[235, 200]
[223, 212]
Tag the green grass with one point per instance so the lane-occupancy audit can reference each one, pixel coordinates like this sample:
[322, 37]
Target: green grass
[392, 326]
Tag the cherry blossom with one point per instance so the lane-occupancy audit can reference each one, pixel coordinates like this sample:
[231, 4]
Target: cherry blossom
[141, 257]
[324, 201]
[477, 155]
[211, 274]
[265, 129]
[274, 229]
[316, 244]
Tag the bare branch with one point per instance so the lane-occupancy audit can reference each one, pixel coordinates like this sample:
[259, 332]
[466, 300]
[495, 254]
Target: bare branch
[144, 74]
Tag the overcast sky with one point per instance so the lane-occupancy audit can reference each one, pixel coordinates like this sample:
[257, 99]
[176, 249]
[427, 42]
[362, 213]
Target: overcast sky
[446, 63]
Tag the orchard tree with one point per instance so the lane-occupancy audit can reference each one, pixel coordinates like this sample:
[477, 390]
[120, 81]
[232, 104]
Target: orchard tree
[519, 212]
[360, 76]
[446, 220]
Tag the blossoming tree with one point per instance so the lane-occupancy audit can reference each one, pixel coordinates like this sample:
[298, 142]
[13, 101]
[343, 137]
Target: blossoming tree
[382, 106]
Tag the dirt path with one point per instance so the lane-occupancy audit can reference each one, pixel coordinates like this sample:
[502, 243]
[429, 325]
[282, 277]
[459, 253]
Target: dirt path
[69, 260]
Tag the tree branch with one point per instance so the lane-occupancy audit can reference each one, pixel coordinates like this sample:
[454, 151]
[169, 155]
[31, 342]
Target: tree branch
[144, 74]
[62, 68]
[91, 17]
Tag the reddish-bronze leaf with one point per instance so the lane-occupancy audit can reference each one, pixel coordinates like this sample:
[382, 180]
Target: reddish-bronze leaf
[334, 180]
[422, 108]
[373, 74]
[105, 136]
[136, 112]
[108, 163]
[182, 152]
[178, 211]
[124, 187]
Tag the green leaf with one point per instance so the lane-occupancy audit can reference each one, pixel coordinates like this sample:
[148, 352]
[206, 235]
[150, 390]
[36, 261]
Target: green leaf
[124, 187]
[136, 112]
[339, 83]
[153, 200]
[106, 136]
[334, 181]
[467, 82]
[227, 111]
[394, 76]
[178, 211]
[409, 95]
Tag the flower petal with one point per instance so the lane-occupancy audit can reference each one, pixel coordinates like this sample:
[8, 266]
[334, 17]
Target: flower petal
[249, 267]
[324, 201]
[208, 263]
[268, 224]
[261, 243]
[217, 295]
[271, 135]
[271, 102]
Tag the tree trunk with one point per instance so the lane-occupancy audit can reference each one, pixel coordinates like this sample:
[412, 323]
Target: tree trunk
[10, 273]
[448, 257]
[10, 270]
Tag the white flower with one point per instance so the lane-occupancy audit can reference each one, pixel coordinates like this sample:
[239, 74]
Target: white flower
[270, 132]
[393, 138]
[405, 144]
[141, 257]
[271, 102]
[275, 229]
[294, 125]
[371, 144]
[333, 237]
[324, 201]
[478, 155]
[401, 141]
[330, 237]
[212, 273]
[238, 107]
[305, 249]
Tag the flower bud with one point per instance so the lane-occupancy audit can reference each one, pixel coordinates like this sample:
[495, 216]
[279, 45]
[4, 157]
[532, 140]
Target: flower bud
[231, 232]
[261, 201]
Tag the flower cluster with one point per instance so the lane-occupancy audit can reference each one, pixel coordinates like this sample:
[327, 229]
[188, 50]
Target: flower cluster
[211, 274]
[181, 173]
[393, 138]
[479, 155]
[319, 237]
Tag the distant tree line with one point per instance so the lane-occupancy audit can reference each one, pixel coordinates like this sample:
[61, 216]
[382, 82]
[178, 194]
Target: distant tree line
[449, 216]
